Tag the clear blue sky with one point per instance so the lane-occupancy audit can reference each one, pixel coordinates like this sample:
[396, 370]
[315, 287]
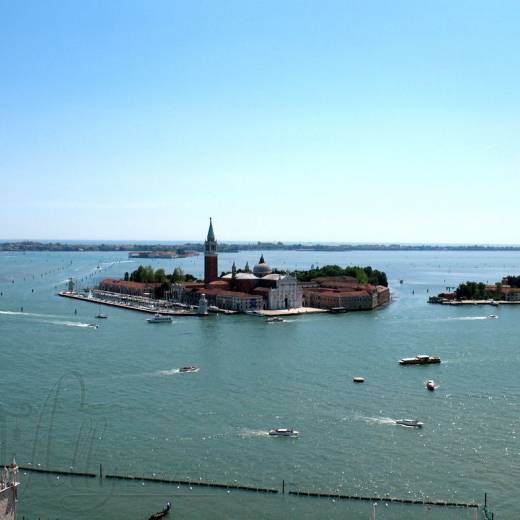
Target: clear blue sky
[373, 121]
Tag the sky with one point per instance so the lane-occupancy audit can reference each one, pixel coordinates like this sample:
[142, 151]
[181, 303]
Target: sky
[347, 121]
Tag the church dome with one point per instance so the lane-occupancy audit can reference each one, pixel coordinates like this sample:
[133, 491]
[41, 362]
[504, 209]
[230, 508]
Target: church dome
[262, 268]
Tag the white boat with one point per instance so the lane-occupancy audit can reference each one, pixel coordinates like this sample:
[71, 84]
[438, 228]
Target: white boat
[284, 432]
[358, 379]
[412, 423]
[159, 318]
[430, 384]
[101, 316]
[189, 369]
[275, 319]
[492, 317]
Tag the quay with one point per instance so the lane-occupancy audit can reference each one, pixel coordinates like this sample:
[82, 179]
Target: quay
[446, 301]
[132, 305]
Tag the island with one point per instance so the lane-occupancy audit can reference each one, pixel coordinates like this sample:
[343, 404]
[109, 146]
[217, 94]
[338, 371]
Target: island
[474, 293]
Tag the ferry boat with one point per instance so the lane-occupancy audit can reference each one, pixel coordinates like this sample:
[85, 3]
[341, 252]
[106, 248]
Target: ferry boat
[420, 360]
[284, 432]
[430, 385]
[411, 423]
[159, 318]
[189, 369]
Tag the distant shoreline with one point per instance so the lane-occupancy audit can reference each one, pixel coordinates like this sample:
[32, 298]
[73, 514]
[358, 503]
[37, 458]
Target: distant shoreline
[31, 246]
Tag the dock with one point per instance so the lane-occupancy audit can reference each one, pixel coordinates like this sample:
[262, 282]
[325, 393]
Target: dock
[132, 306]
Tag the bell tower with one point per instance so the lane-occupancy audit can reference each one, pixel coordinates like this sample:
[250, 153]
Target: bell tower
[210, 256]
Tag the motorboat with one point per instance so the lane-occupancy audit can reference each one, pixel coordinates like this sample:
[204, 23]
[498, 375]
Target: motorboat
[159, 318]
[189, 369]
[420, 360]
[430, 385]
[274, 319]
[101, 316]
[284, 432]
[358, 379]
[411, 423]
[492, 317]
[92, 325]
[163, 513]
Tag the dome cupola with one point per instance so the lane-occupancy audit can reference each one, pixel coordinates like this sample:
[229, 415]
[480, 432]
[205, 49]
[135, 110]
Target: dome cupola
[262, 268]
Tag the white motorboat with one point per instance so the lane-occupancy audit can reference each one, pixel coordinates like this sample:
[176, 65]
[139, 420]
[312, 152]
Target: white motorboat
[284, 432]
[189, 369]
[274, 319]
[358, 379]
[411, 423]
[492, 317]
[430, 385]
[159, 318]
[101, 316]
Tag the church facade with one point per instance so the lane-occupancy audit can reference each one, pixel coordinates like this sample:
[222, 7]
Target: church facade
[240, 291]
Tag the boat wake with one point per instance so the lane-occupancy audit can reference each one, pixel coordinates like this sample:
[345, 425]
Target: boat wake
[469, 318]
[73, 324]
[170, 372]
[248, 433]
[29, 314]
[376, 420]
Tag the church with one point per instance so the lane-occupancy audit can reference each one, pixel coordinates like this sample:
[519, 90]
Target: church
[256, 290]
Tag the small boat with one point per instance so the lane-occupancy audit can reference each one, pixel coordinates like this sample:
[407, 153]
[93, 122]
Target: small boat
[159, 318]
[492, 317]
[284, 432]
[101, 316]
[430, 385]
[358, 379]
[189, 369]
[92, 325]
[420, 360]
[163, 513]
[411, 423]
[274, 319]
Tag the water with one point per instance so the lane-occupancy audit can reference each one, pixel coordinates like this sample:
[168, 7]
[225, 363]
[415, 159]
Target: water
[75, 396]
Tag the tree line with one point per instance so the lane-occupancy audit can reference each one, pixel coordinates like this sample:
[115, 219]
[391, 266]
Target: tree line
[363, 275]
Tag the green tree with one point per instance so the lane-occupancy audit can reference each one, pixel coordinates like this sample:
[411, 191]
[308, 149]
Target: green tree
[178, 275]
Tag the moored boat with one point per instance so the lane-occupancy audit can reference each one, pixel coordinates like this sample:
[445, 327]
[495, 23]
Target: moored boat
[420, 360]
[284, 432]
[159, 318]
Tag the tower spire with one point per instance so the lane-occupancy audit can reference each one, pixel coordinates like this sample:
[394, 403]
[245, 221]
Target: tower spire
[210, 256]
[211, 234]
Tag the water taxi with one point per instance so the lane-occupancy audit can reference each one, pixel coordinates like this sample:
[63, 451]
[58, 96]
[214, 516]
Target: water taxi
[284, 432]
[411, 423]
[420, 360]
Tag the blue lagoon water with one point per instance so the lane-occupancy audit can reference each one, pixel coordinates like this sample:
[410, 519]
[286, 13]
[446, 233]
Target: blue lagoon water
[75, 397]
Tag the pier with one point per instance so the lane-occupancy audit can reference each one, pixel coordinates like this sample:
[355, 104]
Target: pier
[128, 305]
